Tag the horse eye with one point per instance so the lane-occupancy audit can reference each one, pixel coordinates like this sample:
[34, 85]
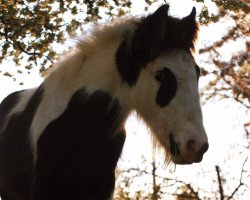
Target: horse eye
[159, 76]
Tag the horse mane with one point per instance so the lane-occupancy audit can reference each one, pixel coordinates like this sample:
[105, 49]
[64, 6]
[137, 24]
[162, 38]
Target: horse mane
[101, 35]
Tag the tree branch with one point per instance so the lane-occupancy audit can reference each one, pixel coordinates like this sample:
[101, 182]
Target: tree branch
[240, 183]
[23, 50]
[220, 182]
[196, 194]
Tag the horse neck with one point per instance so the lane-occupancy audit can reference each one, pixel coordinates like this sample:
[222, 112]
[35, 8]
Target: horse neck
[97, 72]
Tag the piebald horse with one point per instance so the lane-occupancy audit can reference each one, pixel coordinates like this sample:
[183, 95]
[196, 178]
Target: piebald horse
[62, 140]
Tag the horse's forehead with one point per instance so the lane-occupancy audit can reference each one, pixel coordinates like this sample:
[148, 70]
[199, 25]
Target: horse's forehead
[178, 60]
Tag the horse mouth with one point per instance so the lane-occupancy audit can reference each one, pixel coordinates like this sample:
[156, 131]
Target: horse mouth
[174, 147]
[185, 157]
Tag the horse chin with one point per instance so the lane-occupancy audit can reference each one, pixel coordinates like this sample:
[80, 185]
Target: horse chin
[180, 160]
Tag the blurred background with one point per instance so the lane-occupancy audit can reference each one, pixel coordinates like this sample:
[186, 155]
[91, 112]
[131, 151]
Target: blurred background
[33, 35]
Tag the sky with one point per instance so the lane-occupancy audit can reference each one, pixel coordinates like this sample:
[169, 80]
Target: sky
[222, 119]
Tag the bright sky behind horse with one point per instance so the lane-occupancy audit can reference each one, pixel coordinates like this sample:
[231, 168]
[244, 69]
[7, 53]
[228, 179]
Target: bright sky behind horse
[220, 118]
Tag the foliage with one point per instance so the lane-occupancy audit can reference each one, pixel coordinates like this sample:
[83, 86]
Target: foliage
[31, 30]
[154, 185]
[231, 78]
[232, 75]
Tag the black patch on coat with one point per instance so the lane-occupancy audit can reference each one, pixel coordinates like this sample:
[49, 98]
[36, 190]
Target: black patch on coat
[5, 107]
[154, 34]
[168, 86]
[15, 153]
[77, 153]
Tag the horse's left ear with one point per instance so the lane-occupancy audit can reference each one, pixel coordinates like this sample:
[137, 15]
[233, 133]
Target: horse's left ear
[189, 29]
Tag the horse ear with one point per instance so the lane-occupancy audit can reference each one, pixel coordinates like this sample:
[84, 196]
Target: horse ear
[153, 30]
[142, 46]
[148, 38]
[190, 29]
[192, 15]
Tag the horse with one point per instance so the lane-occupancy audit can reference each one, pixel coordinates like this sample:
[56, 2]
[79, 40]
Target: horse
[62, 139]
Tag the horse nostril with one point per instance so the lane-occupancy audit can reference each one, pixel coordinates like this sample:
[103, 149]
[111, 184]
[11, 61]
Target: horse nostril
[191, 145]
[204, 148]
[174, 148]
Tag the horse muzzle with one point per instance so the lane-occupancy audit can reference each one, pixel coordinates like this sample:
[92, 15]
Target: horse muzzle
[190, 152]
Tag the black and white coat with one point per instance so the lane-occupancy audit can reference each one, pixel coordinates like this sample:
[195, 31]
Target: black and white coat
[63, 139]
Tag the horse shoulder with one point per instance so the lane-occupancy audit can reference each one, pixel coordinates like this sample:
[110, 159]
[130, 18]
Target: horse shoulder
[80, 149]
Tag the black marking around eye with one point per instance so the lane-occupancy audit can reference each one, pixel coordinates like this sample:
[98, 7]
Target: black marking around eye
[168, 86]
[198, 71]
